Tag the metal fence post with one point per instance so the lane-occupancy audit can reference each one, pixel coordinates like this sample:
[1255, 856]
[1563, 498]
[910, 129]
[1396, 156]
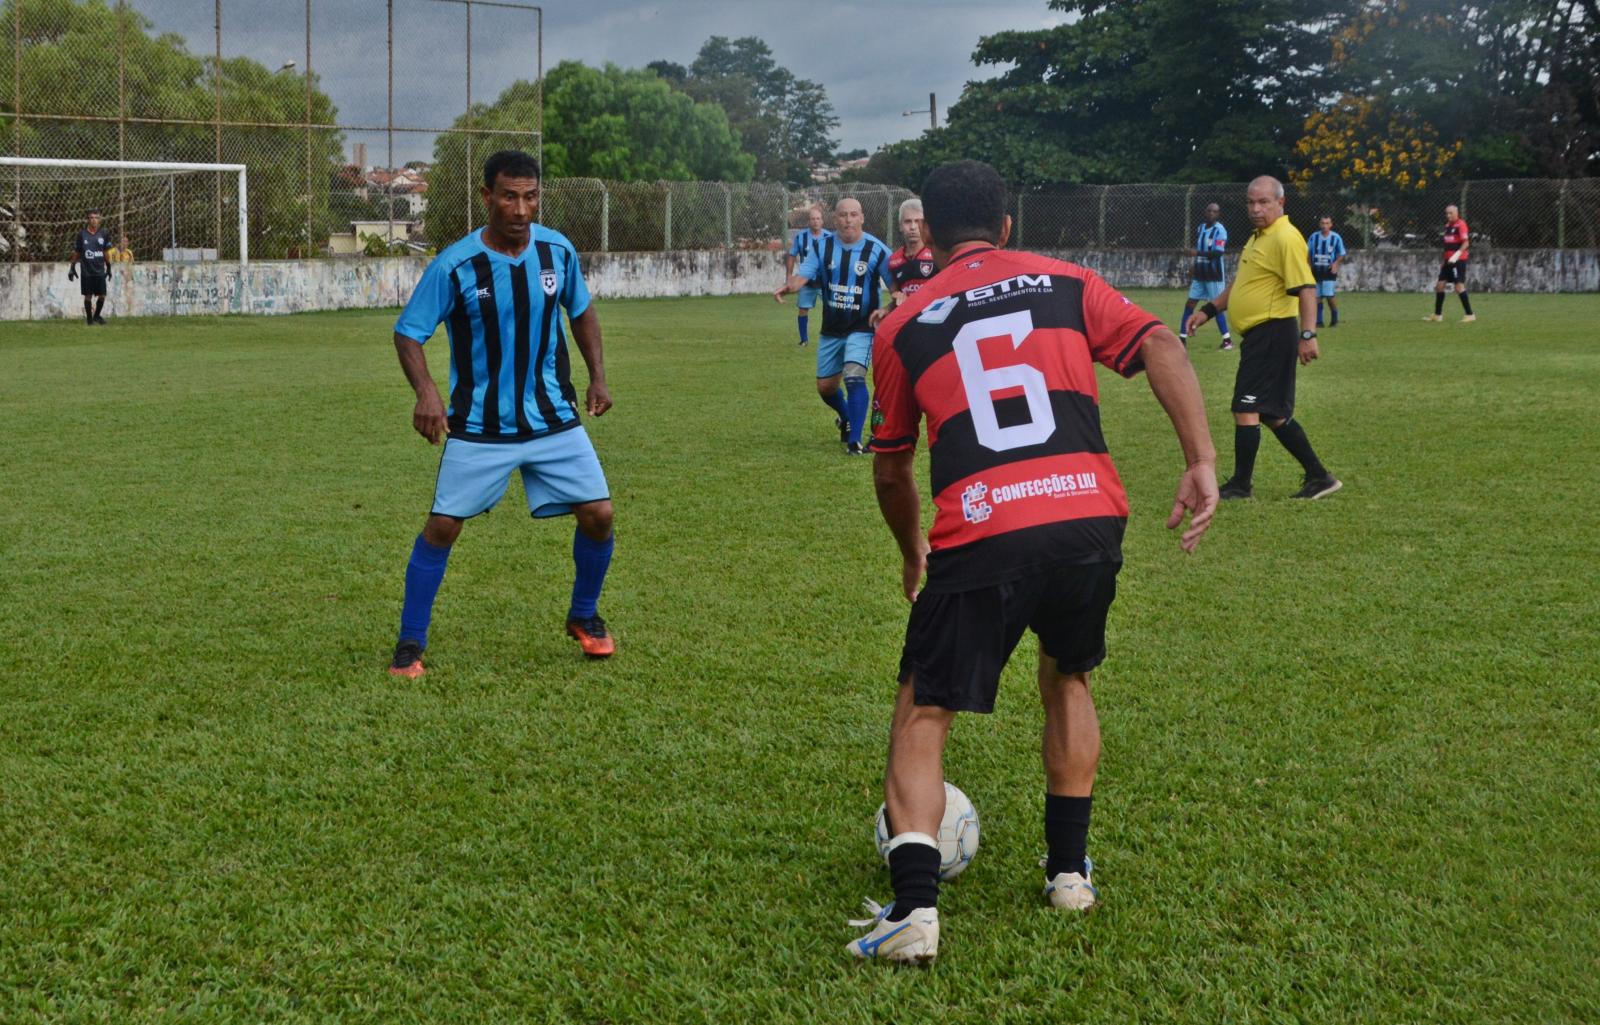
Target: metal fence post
[1020, 197]
[1561, 216]
[605, 218]
[666, 242]
[1188, 217]
[727, 215]
[1100, 232]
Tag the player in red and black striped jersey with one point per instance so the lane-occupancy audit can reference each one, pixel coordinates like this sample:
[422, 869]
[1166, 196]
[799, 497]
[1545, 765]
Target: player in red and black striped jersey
[1454, 269]
[912, 263]
[998, 354]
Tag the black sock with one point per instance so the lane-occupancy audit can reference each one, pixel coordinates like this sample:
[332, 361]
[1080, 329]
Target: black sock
[1438, 304]
[99, 304]
[1246, 442]
[1066, 831]
[1293, 437]
[914, 870]
[88, 311]
[1466, 304]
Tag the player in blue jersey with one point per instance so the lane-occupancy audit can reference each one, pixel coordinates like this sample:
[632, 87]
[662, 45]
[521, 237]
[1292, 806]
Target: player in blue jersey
[499, 292]
[853, 267]
[806, 243]
[1206, 276]
[1326, 249]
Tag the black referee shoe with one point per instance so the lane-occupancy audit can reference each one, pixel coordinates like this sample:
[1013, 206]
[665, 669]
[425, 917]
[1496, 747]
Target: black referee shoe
[1318, 487]
[1231, 490]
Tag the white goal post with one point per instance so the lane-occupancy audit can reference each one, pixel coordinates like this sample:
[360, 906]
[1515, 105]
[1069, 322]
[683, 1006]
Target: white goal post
[151, 165]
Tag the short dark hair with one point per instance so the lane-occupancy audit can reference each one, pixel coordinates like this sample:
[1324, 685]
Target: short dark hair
[513, 163]
[964, 201]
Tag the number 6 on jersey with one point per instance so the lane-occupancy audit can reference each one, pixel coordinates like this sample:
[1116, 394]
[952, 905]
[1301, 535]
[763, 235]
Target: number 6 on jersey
[982, 383]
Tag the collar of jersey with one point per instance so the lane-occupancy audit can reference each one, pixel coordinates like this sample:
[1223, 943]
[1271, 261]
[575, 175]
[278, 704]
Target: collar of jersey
[495, 253]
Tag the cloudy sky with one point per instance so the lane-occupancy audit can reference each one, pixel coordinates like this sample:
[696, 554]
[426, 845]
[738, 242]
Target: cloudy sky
[876, 60]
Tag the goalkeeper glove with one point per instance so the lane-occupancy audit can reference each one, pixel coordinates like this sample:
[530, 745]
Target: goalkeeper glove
[72, 273]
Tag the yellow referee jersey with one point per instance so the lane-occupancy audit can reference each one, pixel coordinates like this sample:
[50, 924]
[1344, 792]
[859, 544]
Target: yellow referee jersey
[1272, 269]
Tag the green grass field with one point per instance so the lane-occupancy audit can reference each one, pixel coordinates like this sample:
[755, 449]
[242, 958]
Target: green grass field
[1350, 747]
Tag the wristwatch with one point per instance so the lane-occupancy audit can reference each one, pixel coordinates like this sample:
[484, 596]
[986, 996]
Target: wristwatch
[1306, 336]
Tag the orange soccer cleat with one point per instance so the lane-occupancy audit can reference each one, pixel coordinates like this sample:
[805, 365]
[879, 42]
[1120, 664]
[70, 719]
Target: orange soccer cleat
[592, 636]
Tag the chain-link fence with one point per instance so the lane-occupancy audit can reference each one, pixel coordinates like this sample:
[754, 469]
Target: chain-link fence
[142, 80]
[650, 216]
[1510, 214]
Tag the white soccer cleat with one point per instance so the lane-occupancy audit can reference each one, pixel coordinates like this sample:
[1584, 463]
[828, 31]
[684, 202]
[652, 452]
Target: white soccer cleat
[1073, 890]
[1433, 318]
[913, 940]
[1469, 318]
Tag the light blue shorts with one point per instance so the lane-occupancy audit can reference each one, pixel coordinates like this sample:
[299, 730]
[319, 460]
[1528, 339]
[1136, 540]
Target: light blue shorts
[1206, 291]
[1327, 289]
[808, 297]
[559, 471]
[834, 353]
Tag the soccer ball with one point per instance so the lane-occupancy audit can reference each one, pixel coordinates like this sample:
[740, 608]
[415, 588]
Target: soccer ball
[958, 833]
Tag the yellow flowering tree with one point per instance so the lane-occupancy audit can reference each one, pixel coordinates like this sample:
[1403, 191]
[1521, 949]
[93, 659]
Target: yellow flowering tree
[1360, 146]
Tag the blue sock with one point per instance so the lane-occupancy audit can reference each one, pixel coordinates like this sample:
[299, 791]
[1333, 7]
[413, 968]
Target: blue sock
[590, 559]
[424, 573]
[1222, 324]
[1319, 312]
[836, 403]
[805, 327]
[1333, 313]
[1183, 323]
[856, 402]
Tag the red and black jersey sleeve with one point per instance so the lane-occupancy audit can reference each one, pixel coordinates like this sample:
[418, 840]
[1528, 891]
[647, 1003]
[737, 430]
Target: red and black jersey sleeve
[1455, 237]
[895, 415]
[1114, 326]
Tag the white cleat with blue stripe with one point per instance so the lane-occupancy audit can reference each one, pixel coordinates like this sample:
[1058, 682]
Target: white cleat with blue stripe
[913, 940]
[1073, 890]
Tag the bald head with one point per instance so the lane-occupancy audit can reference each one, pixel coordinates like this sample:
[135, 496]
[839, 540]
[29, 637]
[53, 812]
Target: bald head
[1264, 200]
[847, 219]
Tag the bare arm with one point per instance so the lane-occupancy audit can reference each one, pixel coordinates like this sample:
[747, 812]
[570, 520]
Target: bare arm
[902, 511]
[1172, 379]
[586, 332]
[793, 283]
[428, 417]
[788, 265]
[1308, 322]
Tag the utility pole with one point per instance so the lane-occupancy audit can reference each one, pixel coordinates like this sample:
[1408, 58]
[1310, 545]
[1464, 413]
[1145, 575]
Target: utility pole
[932, 111]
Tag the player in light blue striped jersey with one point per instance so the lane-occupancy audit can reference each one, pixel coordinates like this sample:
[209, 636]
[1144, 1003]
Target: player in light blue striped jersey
[807, 243]
[1206, 275]
[1326, 249]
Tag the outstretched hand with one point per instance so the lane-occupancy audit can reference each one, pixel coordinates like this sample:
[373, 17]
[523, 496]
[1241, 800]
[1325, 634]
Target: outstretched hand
[1197, 496]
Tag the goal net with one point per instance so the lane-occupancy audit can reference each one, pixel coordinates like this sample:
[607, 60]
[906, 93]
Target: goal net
[171, 211]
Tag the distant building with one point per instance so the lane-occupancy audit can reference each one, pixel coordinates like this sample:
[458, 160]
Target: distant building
[351, 243]
[358, 155]
[832, 172]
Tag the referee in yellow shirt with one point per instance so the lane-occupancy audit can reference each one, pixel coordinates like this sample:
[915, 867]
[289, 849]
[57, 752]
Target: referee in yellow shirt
[1273, 303]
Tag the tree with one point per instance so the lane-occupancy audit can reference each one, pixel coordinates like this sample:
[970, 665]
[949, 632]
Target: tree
[1516, 80]
[784, 122]
[1361, 146]
[1146, 90]
[611, 123]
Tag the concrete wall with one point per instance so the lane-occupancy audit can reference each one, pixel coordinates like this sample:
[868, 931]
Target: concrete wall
[42, 291]
[1376, 270]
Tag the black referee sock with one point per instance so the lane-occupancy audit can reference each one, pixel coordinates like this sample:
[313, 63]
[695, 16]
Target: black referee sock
[1438, 304]
[1293, 437]
[914, 871]
[1466, 304]
[1246, 442]
[1066, 831]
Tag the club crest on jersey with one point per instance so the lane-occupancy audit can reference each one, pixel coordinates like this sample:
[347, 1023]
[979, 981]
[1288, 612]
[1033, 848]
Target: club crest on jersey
[926, 267]
[547, 281]
[973, 508]
[861, 267]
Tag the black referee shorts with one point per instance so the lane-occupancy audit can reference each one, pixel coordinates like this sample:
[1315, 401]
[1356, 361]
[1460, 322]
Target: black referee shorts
[1453, 273]
[956, 644]
[1268, 356]
[91, 284]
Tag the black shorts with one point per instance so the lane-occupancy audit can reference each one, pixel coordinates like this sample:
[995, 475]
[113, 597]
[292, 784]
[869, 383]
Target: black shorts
[1268, 355]
[1453, 273]
[92, 284]
[957, 643]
